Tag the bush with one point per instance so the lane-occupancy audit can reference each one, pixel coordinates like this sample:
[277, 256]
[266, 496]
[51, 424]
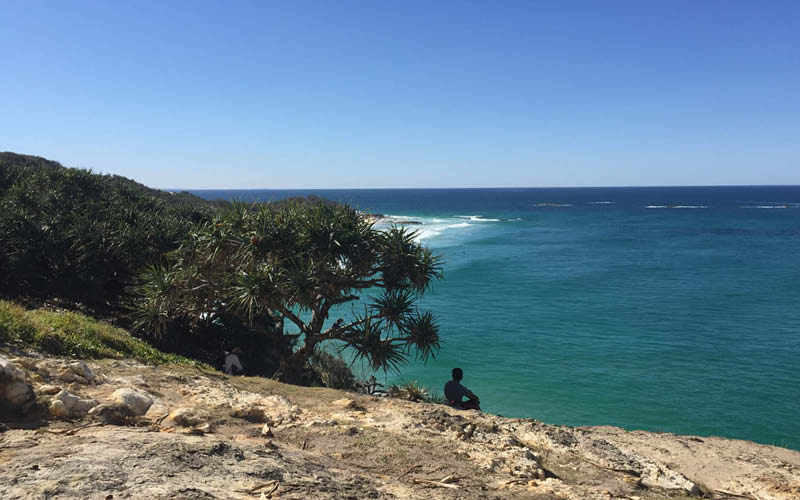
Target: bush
[75, 335]
[413, 391]
[333, 371]
[81, 237]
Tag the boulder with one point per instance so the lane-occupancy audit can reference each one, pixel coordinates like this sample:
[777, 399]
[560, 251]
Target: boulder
[16, 394]
[66, 405]
[59, 409]
[113, 413]
[250, 413]
[138, 402]
[157, 411]
[77, 371]
[48, 389]
[181, 417]
[199, 430]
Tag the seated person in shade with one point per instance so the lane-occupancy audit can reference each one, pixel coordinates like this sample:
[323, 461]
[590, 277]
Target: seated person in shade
[454, 393]
[233, 366]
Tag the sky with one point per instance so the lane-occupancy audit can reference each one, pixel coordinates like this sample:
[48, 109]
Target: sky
[405, 93]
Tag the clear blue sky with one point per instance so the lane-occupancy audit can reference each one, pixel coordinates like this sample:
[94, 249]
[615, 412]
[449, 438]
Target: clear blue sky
[324, 94]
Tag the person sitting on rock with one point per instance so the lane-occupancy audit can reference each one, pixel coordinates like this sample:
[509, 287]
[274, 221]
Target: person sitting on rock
[454, 393]
[232, 364]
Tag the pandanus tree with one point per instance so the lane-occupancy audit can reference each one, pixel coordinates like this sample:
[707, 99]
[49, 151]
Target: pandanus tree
[282, 271]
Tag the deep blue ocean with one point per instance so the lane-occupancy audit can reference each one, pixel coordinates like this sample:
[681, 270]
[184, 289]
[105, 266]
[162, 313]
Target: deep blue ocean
[665, 309]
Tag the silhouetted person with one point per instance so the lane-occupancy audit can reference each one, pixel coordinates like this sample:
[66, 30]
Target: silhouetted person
[455, 393]
[233, 366]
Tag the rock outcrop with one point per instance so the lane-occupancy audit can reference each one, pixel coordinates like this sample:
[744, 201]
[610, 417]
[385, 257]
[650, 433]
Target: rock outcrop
[16, 394]
[66, 405]
[136, 431]
[137, 401]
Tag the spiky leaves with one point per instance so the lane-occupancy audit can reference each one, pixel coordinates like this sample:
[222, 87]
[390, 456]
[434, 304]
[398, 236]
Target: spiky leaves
[422, 333]
[155, 293]
[368, 343]
[394, 306]
[405, 264]
[262, 264]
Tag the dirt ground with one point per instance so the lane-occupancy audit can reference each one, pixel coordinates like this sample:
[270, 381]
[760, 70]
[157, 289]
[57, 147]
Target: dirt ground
[256, 438]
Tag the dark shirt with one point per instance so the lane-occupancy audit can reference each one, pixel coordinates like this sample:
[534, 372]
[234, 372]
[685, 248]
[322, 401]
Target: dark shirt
[453, 392]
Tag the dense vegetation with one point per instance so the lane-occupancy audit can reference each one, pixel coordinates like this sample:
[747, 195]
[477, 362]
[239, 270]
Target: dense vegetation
[79, 237]
[195, 277]
[256, 272]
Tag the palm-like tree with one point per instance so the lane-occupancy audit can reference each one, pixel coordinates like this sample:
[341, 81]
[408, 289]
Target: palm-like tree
[268, 267]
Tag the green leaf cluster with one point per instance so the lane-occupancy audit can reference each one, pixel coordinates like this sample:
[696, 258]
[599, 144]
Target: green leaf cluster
[267, 267]
[82, 237]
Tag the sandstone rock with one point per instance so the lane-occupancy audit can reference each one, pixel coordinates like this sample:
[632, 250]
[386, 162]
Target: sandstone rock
[139, 402]
[68, 405]
[469, 430]
[655, 476]
[156, 411]
[29, 364]
[77, 371]
[113, 414]
[71, 377]
[287, 405]
[198, 430]
[181, 417]
[266, 431]
[250, 413]
[58, 409]
[348, 404]
[48, 389]
[16, 394]
[205, 428]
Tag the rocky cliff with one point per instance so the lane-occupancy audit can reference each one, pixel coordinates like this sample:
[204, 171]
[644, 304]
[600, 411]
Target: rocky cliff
[119, 429]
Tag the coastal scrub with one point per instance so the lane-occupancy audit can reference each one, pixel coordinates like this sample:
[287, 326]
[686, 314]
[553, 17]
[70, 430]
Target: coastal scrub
[75, 335]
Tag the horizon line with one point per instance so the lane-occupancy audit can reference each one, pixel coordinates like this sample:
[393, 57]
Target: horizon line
[475, 188]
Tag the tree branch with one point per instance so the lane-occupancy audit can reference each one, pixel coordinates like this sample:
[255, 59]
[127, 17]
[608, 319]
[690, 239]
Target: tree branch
[294, 319]
[336, 333]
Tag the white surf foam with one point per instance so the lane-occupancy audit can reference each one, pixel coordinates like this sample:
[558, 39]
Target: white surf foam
[601, 202]
[766, 206]
[476, 218]
[424, 234]
[678, 206]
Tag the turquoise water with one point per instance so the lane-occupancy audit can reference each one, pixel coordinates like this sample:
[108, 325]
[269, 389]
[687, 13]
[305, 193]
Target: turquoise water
[667, 309]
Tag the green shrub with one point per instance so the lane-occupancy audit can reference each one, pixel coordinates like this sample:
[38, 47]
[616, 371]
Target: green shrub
[14, 324]
[82, 237]
[75, 335]
[333, 371]
[413, 391]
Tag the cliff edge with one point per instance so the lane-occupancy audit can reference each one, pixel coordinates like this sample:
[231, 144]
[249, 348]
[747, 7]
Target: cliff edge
[115, 429]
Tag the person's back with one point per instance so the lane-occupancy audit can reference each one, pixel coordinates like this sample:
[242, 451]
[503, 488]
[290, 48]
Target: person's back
[233, 366]
[455, 393]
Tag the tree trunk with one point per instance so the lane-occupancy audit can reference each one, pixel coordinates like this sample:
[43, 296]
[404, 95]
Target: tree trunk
[293, 369]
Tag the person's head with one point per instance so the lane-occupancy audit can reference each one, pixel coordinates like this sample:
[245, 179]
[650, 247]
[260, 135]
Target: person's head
[457, 374]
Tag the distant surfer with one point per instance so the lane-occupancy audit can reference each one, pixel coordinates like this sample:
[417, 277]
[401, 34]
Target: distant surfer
[455, 393]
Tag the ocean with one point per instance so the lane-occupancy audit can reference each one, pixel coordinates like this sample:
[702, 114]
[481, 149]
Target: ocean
[672, 309]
